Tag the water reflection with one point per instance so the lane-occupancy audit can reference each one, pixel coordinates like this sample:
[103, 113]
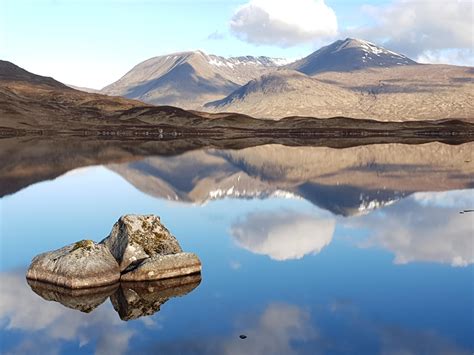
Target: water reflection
[84, 300]
[346, 182]
[283, 235]
[425, 228]
[131, 300]
[303, 250]
[49, 325]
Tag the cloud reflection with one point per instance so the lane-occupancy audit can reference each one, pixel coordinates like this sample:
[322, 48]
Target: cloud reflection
[432, 232]
[50, 322]
[283, 235]
[276, 331]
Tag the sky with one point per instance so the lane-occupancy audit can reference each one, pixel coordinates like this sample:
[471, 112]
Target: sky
[92, 43]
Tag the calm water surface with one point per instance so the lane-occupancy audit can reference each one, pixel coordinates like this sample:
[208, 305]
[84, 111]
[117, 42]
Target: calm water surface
[362, 259]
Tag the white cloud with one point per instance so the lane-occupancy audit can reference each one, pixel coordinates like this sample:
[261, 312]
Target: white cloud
[420, 28]
[283, 23]
[283, 235]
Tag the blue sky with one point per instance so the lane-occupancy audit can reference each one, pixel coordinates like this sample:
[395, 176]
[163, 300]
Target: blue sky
[93, 43]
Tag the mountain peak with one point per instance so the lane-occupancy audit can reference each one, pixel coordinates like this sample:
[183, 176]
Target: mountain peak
[348, 55]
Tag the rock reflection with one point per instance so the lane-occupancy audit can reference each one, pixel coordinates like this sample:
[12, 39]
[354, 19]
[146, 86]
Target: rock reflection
[84, 300]
[131, 300]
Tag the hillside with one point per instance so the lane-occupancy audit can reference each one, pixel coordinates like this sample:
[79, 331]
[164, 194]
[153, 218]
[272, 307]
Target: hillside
[403, 93]
[284, 92]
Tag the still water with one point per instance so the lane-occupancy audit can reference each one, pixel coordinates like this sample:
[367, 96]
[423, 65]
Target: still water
[305, 251]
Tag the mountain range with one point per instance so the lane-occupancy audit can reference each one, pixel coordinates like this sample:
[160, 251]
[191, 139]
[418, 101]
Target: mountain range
[351, 78]
[31, 104]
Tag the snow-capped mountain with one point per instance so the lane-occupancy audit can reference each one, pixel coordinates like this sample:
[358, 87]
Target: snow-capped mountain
[351, 78]
[347, 55]
[189, 79]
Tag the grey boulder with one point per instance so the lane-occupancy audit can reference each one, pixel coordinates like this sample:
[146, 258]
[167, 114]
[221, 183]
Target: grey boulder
[79, 265]
[137, 237]
[163, 267]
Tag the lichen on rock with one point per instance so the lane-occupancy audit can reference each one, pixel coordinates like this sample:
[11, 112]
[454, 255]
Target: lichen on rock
[85, 244]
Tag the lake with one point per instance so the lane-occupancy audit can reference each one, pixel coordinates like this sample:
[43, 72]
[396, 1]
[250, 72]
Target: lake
[305, 250]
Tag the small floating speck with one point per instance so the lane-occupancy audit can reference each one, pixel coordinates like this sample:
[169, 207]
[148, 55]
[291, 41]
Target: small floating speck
[242, 336]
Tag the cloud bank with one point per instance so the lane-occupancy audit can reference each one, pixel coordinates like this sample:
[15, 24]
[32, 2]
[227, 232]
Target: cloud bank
[283, 23]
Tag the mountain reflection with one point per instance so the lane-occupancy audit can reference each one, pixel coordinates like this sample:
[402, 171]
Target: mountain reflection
[346, 181]
[131, 300]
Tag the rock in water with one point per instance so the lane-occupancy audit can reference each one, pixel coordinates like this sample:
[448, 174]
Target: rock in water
[79, 265]
[164, 266]
[137, 299]
[134, 238]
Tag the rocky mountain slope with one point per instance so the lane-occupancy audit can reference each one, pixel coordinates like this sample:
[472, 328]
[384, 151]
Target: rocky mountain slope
[188, 79]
